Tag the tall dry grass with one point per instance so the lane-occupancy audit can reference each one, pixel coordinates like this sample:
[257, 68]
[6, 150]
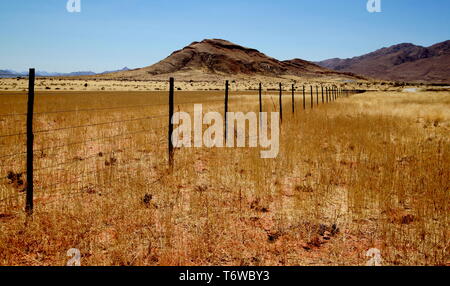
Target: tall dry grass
[367, 171]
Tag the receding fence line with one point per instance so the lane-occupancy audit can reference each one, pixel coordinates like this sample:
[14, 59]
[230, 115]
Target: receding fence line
[329, 93]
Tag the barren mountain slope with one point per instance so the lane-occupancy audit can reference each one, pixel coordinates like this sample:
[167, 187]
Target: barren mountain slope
[405, 62]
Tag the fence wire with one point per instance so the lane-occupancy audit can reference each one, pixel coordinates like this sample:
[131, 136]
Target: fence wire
[58, 188]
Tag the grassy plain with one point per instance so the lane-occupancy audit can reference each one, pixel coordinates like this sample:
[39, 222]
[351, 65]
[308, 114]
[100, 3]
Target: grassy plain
[368, 171]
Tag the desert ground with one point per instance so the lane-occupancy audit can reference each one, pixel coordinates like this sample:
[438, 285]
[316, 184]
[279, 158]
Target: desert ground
[366, 171]
[184, 84]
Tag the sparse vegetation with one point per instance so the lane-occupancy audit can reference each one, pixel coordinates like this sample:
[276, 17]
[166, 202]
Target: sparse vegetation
[358, 173]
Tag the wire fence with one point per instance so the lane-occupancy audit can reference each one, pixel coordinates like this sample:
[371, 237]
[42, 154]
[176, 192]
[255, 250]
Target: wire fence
[80, 156]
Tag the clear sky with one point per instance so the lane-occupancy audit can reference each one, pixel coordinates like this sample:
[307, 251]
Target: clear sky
[111, 34]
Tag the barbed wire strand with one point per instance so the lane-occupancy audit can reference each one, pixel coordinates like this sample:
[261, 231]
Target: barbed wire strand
[84, 142]
[99, 124]
[84, 175]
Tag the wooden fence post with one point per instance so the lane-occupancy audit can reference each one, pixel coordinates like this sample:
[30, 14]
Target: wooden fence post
[226, 109]
[281, 103]
[312, 97]
[293, 98]
[323, 101]
[30, 144]
[260, 98]
[317, 95]
[304, 98]
[171, 111]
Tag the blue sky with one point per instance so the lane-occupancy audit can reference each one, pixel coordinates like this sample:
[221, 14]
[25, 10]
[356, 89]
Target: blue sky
[111, 34]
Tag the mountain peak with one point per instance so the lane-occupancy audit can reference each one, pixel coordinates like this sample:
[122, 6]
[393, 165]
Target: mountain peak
[222, 57]
[219, 58]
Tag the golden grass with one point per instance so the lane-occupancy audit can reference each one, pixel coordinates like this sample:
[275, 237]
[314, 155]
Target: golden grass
[367, 171]
[186, 83]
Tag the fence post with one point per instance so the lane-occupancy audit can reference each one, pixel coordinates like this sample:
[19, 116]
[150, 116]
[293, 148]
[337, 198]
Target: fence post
[304, 98]
[317, 95]
[329, 94]
[312, 97]
[30, 144]
[293, 98]
[171, 111]
[322, 94]
[281, 103]
[260, 98]
[226, 110]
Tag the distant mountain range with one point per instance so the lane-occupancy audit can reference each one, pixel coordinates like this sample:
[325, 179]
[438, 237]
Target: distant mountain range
[11, 74]
[403, 62]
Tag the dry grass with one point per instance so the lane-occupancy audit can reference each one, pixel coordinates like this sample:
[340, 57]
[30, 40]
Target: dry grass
[367, 171]
[187, 84]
